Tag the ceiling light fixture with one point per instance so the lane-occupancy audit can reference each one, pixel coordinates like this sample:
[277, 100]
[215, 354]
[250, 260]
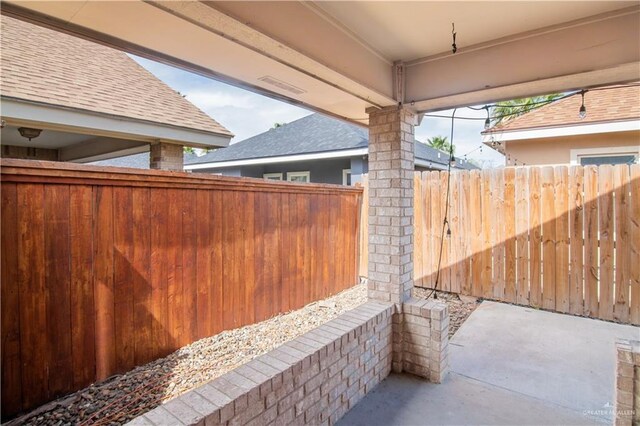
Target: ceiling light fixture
[29, 133]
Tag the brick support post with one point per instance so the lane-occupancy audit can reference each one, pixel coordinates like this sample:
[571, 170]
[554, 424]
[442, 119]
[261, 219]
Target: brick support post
[165, 156]
[627, 392]
[391, 165]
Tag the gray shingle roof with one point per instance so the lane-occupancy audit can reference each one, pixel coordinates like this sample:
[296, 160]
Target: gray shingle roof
[311, 134]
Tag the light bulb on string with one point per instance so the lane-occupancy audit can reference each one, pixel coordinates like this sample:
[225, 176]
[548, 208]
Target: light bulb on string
[583, 110]
[487, 122]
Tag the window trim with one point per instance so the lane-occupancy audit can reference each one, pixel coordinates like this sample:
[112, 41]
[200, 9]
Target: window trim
[306, 174]
[271, 176]
[346, 172]
[613, 151]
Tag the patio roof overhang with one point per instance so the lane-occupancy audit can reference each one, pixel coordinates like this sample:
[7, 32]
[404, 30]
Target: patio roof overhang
[371, 53]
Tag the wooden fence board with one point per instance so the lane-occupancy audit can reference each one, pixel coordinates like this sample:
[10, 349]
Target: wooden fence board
[465, 200]
[142, 316]
[58, 277]
[123, 284]
[576, 232]
[486, 277]
[10, 303]
[455, 239]
[103, 283]
[82, 291]
[498, 233]
[509, 220]
[561, 280]
[634, 244]
[475, 221]
[621, 198]
[445, 270]
[591, 252]
[549, 219]
[425, 200]
[535, 239]
[522, 236]
[175, 291]
[159, 268]
[32, 292]
[418, 208]
[436, 226]
[189, 274]
[606, 225]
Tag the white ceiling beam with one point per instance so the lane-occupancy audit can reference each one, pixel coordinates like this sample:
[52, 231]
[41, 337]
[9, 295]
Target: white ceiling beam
[599, 50]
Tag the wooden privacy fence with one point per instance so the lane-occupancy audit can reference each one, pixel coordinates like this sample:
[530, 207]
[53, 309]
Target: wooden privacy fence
[104, 269]
[560, 238]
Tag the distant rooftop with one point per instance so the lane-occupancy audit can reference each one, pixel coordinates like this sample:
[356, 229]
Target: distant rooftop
[615, 104]
[314, 133]
[49, 67]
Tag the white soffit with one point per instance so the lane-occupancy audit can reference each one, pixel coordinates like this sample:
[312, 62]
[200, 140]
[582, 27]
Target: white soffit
[19, 113]
[279, 159]
[553, 132]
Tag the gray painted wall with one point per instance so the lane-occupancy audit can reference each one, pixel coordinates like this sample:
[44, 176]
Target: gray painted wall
[321, 171]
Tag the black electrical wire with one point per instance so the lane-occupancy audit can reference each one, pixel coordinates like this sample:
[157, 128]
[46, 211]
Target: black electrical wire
[445, 222]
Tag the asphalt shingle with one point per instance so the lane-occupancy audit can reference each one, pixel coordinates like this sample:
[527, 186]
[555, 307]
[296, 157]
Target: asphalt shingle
[618, 103]
[314, 133]
[46, 66]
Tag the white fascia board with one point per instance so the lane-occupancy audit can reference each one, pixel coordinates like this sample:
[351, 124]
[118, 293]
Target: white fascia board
[429, 164]
[552, 132]
[52, 117]
[280, 159]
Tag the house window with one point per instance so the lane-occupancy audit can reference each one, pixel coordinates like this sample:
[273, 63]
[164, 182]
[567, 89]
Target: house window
[346, 177]
[299, 176]
[272, 176]
[597, 160]
[609, 155]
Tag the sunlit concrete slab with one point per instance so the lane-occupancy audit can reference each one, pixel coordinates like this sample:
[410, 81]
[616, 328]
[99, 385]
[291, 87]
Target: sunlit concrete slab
[510, 365]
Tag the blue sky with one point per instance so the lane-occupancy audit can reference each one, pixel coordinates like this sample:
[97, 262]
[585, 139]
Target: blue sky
[247, 114]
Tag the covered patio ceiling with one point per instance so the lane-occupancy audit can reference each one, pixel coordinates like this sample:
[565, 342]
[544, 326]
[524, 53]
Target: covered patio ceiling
[343, 57]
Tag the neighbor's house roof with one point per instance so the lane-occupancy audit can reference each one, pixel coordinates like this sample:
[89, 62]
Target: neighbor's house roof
[312, 137]
[615, 109]
[53, 75]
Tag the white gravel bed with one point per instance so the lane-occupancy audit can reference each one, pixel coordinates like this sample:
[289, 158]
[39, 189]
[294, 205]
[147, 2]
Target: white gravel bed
[123, 397]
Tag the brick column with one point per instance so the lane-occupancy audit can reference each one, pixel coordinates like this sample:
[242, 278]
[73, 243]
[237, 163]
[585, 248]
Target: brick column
[391, 165]
[165, 156]
[627, 393]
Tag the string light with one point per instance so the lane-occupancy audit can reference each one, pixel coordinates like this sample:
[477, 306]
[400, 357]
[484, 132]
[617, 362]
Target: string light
[487, 122]
[583, 110]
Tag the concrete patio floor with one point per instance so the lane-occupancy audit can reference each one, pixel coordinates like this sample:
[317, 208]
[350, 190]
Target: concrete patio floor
[509, 365]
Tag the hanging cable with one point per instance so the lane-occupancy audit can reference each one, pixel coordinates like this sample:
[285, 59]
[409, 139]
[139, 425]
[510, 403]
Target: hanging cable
[445, 223]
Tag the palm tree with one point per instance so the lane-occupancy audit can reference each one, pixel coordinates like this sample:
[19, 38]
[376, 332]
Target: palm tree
[441, 143]
[506, 110]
